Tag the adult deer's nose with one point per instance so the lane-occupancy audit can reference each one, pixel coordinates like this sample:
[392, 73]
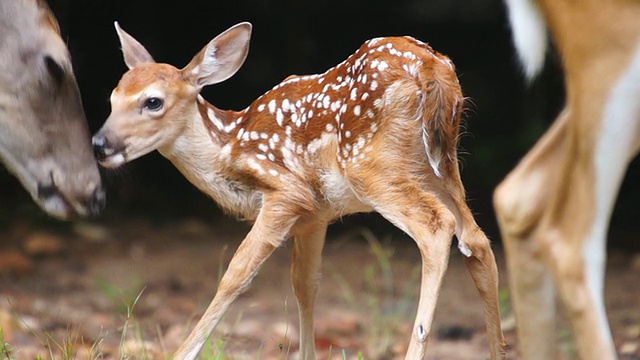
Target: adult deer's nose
[97, 201]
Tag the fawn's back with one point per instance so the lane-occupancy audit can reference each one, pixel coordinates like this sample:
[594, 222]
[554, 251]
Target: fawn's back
[312, 131]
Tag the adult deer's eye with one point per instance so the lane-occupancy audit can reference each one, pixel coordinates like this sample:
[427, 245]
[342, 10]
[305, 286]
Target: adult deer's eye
[153, 104]
[54, 69]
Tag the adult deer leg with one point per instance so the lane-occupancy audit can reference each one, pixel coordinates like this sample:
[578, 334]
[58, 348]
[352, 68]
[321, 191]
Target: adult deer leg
[307, 257]
[565, 235]
[577, 168]
[610, 137]
[520, 201]
[573, 238]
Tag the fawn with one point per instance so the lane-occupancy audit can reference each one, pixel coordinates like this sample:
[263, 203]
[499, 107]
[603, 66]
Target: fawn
[378, 132]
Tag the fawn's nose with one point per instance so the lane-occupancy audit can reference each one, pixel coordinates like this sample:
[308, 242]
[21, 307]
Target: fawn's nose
[109, 151]
[99, 143]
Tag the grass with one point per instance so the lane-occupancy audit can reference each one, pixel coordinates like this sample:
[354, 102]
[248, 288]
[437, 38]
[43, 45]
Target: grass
[67, 348]
[139, 348]
[504, 302]
[386, 308]
[71, 345]
[5, 347]
[122, 298]
[211, 351]
[387, 303]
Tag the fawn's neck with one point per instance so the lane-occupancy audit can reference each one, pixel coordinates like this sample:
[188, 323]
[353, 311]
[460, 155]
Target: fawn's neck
[202, 154]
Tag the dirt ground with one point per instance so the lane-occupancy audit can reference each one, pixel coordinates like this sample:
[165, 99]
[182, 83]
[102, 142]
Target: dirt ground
[77, 291]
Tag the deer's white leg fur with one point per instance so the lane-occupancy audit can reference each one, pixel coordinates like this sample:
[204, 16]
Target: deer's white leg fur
[615, 146]
[570, 248]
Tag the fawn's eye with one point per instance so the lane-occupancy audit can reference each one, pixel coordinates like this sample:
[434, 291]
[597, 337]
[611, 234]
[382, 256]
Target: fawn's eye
[153, 104]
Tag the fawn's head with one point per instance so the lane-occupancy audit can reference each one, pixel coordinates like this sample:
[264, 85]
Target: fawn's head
[153, 101]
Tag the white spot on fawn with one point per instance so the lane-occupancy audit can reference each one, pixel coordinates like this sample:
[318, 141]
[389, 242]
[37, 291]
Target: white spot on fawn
[253, 164]
[409, 55]
[421, 333]
[279, 117]
[229, 127]
[326, 102]
[374, 41]
[464, 249]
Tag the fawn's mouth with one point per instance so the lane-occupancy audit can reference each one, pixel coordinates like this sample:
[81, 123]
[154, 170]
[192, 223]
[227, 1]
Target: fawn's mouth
[113, 160]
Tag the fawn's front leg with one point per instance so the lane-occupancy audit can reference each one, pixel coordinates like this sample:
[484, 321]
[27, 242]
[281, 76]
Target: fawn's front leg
[269, 231]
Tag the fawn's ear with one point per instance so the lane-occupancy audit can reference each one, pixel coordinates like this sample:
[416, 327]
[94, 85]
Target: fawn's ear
[134, 53]
[221, 57]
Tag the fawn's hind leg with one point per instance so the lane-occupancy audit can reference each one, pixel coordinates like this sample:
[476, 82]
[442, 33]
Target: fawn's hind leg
[305, 269]
[428, 221]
